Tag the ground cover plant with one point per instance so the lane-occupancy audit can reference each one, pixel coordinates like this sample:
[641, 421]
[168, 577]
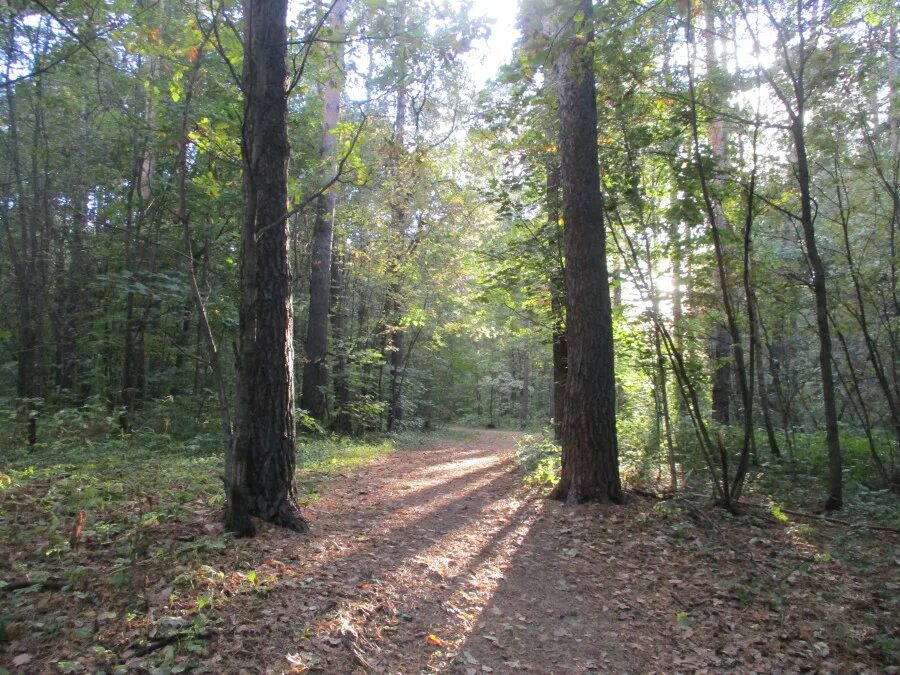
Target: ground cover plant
[102, 532]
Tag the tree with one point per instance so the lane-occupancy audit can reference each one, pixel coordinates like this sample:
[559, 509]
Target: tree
[260, 477]
[29, 255]
[315, 367]
[794, 97]
[590, 463]
[723, 342]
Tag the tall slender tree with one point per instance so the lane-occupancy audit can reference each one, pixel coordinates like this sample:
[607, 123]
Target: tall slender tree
[315, 367]
[794, 96]
[718, 139]
[590, 464]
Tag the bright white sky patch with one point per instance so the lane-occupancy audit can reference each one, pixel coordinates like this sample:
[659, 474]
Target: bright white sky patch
[489, 55]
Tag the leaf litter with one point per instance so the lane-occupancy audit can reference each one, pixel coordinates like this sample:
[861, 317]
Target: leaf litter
[440, 560]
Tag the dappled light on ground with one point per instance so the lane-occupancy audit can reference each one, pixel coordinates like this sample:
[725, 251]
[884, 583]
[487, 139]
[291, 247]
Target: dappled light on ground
[404, 575]
[439, 559]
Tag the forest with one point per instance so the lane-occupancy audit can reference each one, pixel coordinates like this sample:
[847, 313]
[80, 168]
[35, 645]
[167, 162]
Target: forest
[449, 336]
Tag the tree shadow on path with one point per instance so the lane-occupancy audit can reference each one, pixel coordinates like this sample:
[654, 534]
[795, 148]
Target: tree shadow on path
[440, 560]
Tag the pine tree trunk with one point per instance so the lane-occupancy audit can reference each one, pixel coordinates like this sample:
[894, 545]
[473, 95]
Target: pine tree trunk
[315, 369]
[557, 302]
[590, 465]
[262, 483]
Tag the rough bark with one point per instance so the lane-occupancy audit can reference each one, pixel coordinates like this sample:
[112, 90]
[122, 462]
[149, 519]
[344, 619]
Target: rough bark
[262, 480]
[524, 400]
[590, 465]
[313, 396]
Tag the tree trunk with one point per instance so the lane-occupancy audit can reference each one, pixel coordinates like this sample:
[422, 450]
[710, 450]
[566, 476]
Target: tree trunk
[394, 300]
[557, 301]
[716, 221]
[132, 361]
[491, 424]
[394, 348]
[32, 253]
[894, 89]
[560, 370]
[722, 340]
[524, 398]
[764, 403]
[820, 292]
[183, 216]
[341, 423]
[262, 483]
[661, 387]
[315, 368]
[590, 463]
[881, 375]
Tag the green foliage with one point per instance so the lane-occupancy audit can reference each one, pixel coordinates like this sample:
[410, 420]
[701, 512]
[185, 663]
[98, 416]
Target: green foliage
[366, 412]
[538, 457]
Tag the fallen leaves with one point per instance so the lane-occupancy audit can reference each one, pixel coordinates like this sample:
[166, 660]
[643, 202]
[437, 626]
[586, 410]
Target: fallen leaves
[21, 660]
[433, 639]
[407, 580]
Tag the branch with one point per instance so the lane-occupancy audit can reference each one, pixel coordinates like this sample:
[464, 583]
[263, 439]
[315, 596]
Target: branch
[337, 176]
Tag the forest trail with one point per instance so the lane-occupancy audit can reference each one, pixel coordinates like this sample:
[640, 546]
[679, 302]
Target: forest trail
[438, 559]
[441, 560]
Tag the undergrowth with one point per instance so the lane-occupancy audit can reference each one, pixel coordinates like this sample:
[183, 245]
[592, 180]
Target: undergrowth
[538, 456]
[127, 521]
[794, 480]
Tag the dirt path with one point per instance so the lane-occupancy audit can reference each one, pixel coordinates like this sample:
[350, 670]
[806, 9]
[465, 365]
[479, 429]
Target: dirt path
[429, 560]
[439, 560]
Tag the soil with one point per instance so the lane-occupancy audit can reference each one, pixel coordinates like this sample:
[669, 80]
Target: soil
[440, 560]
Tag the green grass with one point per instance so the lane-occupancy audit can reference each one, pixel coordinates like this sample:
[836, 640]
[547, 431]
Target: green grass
[162, 473]
[323, 458]
[167, 473]
[109, 519]
[460, 434]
